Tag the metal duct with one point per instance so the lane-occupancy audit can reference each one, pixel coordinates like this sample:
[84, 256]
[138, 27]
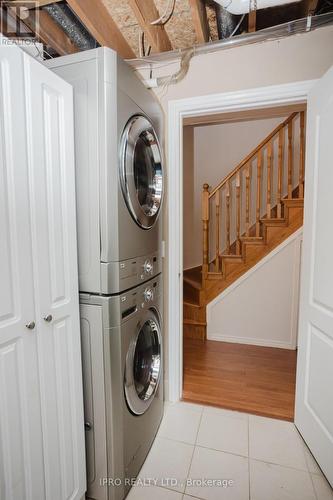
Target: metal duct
[226, 22]
[71, 25]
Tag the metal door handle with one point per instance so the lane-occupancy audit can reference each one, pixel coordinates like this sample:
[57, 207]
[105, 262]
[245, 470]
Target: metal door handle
[48, 318]
[88, 426]
[30, 325]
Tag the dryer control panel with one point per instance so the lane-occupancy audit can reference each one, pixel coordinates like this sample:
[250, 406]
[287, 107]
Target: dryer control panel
[130, 273]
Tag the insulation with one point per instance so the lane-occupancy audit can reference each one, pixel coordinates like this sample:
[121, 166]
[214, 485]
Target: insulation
[71, 25]
[179, 29]
[226, 22]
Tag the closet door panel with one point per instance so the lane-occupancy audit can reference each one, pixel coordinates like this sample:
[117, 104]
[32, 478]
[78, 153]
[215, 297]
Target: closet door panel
[56, 287]
[21, 465]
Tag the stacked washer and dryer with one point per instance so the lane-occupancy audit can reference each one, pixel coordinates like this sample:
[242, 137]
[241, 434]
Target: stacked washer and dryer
[119, 189]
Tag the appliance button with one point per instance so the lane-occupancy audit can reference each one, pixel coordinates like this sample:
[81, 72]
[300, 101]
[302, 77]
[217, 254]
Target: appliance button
[148, 294]
[148, 267]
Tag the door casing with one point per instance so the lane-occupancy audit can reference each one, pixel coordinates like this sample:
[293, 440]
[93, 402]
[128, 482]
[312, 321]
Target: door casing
[251, 99]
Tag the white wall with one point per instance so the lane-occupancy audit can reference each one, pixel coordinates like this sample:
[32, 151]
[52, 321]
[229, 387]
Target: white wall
[261, 308]
[298, 57]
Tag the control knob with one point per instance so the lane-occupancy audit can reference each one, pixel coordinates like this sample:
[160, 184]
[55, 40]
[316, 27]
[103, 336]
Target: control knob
[148, 267]
[148, 294]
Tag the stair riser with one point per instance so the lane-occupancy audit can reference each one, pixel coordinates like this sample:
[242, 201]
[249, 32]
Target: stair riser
[190, 293]
[194, 332]
[195, 313]
[293, 212]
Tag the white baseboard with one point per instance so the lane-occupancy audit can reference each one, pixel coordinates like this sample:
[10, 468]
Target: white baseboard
[249, 341]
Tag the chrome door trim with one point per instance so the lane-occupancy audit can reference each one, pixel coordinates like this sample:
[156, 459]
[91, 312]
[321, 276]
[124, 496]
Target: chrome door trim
[137, 125]
[137, 405]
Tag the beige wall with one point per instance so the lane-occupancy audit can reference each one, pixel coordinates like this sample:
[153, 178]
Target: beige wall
[299, 57]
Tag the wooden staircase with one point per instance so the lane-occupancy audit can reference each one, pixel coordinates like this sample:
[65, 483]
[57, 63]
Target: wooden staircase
[249, 213]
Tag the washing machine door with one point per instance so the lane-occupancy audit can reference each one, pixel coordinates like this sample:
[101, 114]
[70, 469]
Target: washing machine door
[143, 364]
[141, 172]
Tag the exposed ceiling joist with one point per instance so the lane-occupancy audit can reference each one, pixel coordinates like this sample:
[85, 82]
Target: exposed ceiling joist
[48, 32]
[252, 21]
[146, 12]
[37, 3]
[310, 7]
[98, 21]
[200, 22]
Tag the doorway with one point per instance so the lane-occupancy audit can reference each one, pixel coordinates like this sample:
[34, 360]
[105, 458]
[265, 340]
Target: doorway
[240, 316]
[178, 111]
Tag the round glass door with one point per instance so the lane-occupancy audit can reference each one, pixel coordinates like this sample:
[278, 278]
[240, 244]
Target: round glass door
[141, 172]
[143, 365]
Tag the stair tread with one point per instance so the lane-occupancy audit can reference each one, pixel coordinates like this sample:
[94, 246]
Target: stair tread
[187, 302]
[252, 238]
[274, 221]
[231, 256]
[195, 322]
[192, 282]
[293, 200]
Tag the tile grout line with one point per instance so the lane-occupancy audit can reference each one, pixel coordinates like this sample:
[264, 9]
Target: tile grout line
[195, 443]
[307, 465]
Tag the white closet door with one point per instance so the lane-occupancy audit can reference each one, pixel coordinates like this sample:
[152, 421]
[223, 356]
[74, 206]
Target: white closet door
[51, 153]
[314, 384]
[21, 465]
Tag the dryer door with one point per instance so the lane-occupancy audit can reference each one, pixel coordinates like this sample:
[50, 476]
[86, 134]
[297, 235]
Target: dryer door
[143, 364]
[141, 172]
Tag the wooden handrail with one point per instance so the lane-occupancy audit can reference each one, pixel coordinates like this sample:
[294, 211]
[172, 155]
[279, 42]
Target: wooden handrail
[253, 153]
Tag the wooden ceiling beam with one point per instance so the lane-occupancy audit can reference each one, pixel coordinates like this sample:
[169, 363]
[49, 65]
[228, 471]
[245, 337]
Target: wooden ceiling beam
[252, 22]
[200, 21]
[98, 21]
[310, 7]
[48, 32]
[146, 12]
[38, 3]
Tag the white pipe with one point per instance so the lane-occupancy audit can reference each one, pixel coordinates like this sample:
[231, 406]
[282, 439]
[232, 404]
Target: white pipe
[273, 33]
[239, 7]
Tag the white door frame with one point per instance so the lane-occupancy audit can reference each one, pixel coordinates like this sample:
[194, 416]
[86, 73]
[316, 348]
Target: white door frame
[290, 93]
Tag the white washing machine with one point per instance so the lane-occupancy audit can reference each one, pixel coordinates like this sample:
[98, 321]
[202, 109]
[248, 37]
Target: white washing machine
[119, 171]
[122, 345]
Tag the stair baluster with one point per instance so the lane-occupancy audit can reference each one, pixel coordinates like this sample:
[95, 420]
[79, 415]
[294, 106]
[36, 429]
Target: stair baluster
[238, 212]
[217, 231]
[290, 159]
[280, 173]
[228, 209]
[269, 180]
[205, 230]
[248, 198]
[258, 208]
[301, 156]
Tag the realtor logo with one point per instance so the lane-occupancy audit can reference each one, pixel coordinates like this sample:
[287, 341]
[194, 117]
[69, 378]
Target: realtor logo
[19, 19]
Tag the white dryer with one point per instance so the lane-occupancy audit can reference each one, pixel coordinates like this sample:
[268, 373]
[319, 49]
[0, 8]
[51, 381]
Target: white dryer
[119, 171]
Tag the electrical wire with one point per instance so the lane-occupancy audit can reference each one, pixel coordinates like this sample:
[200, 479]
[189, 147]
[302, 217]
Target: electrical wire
[238, 25]
[165, 17]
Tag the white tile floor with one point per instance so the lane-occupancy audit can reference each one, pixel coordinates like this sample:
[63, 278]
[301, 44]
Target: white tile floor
[245, 457]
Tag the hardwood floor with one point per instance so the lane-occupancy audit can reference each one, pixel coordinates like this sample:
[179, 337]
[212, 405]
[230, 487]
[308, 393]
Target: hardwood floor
[259, 380]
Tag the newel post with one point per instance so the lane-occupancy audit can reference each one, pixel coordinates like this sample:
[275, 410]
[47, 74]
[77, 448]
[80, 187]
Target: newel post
[205, 230]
